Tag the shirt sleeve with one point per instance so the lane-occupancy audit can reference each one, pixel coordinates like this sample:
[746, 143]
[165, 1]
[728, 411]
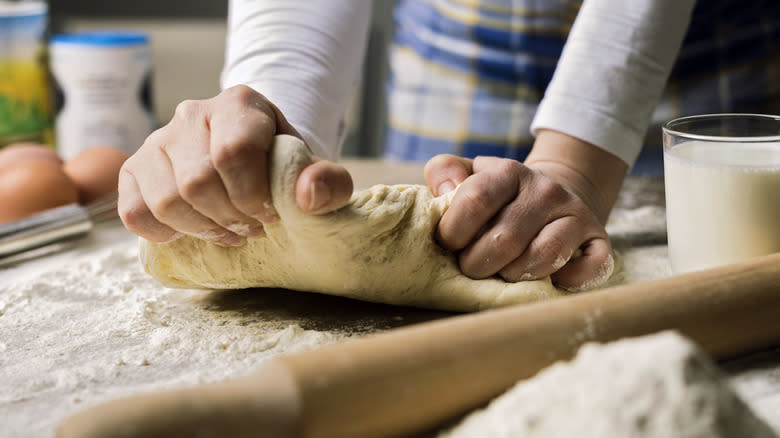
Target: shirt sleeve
[304, 57]
[612, 72]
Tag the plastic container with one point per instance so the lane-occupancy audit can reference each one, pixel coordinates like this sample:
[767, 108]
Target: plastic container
[25, 100]
[102, 90]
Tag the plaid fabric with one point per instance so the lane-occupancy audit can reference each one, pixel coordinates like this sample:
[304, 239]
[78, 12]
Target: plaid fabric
[729, 62]
[466, 76]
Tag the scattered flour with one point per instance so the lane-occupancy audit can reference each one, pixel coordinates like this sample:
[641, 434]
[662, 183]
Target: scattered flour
[668, 388]
[98, 328]
[649, 218]
[89, 325]
[637, 263]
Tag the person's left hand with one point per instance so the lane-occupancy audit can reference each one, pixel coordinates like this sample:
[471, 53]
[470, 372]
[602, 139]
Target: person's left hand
[514, 221]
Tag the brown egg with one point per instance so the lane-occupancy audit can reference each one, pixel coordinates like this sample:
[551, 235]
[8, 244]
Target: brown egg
[18, 152]
[95, 171]
[31, 186]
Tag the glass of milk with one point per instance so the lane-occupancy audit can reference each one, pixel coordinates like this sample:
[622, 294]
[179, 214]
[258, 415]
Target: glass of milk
[722, 179]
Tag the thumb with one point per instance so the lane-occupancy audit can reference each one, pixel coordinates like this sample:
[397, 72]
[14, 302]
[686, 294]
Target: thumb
[444, 172]
[591, 269]
[323, 187]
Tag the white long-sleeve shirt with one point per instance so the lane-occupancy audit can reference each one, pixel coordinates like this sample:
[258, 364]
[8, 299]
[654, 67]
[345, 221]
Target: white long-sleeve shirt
[305, 56]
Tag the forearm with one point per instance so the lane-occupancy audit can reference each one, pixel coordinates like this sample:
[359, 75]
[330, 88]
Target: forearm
[592, 173]
[303, 57]
[612, 72]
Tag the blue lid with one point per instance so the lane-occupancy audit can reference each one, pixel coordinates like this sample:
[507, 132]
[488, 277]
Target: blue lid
[104, 38]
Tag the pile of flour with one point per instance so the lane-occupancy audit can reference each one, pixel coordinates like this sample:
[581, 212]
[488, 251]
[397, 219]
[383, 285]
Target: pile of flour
[656, 386]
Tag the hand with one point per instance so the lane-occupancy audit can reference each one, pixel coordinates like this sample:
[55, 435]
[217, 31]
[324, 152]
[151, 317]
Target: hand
[205, 173]
[524, 222]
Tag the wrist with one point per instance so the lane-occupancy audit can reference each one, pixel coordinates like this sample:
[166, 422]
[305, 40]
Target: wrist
[590, 172]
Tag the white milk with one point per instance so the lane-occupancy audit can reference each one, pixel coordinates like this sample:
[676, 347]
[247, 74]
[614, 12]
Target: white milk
[722, 201]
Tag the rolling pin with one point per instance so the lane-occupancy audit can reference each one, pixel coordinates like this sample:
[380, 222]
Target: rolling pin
[414, 378]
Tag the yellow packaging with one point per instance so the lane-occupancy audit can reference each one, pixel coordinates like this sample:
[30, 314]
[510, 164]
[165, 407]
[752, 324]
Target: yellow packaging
[25, 100]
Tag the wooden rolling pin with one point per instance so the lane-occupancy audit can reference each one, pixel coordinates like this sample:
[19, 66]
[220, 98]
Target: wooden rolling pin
[414, 378]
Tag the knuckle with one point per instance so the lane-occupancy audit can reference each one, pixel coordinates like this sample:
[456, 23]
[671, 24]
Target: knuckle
[134, 215]
[125, 170]
[506, 166]
[157, 137]
[551, 191]
[241, 93]
[550, 249]
[470, 268]
[231, 152]
[194, 184]
[166, 205]
[187, 109]
[448, 238]
[513, 274]
[475, 202]
[507, 242]
[442, 160]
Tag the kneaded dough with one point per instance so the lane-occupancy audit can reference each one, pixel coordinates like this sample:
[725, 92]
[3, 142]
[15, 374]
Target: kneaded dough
[380, 247]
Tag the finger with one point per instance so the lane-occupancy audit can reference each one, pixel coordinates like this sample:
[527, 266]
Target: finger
[477, 200]
[242, 132]
[444, 172]
[323, 187]
[196, 177]
[506, 239]
[136, 216]
[548, 252]
[159, 190]
[589, 270]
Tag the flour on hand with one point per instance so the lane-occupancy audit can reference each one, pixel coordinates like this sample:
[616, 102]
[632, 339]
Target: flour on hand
[379, 247]
[656, 386]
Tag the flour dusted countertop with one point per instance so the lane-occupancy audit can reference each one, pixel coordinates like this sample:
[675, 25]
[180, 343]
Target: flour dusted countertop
[87, 325]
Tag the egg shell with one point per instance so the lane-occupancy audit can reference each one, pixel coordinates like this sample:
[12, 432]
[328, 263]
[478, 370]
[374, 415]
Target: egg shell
[18, 152]
[95, 171]
[32, 186]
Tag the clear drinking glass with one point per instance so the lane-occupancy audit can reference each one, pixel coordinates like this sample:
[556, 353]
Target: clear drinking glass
[722, 179]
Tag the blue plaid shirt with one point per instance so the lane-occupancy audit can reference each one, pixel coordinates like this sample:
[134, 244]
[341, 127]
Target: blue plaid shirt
[466, 76]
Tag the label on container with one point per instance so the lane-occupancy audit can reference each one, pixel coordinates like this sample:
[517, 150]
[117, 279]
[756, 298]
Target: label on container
[103, 90]
[25, 102]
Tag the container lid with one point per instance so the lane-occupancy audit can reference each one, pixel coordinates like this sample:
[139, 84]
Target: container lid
[102, 38]
[23, 9]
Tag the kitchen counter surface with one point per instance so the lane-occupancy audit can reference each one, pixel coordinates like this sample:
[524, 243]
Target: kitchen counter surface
[87, 324]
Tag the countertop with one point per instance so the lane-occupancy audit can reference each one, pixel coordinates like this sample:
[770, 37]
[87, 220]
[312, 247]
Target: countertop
[86, 324]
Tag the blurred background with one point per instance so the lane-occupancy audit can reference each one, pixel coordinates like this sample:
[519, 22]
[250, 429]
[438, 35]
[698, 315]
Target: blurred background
[188, 47]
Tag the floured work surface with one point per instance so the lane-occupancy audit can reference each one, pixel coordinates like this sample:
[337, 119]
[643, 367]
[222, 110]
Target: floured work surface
[89, 325]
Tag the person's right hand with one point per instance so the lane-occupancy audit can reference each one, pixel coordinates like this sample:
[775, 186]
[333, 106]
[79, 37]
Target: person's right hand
[205, 173]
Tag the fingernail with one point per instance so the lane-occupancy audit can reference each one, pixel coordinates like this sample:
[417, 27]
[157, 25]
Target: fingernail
[268, 215]
[247, 230]
[319, 195]
[232, 240]
[220, 237]
[175, 236]
[267, 218]
[559, 262]
[445, 187]
[256, 232]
